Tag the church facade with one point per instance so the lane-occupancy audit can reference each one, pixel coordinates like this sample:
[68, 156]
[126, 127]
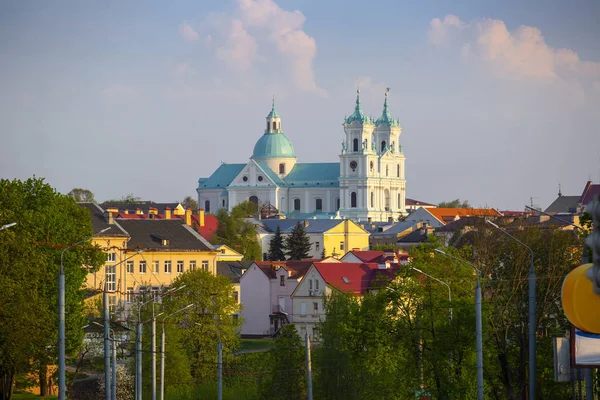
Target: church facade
[368, 184]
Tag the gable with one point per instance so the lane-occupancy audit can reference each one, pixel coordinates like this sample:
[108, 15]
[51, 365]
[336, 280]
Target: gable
[352, 227]
[252, 175]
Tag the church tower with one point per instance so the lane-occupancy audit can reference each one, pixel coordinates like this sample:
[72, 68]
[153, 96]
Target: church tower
[372, 183]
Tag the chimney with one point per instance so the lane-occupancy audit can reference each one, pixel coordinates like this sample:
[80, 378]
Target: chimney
[110, 212]
[167, 212]
[138, 211]
[201, 216]
[305, 223]
[188, 216]
[126, 211]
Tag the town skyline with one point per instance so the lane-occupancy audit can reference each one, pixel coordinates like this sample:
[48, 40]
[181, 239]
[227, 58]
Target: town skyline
[497, 106]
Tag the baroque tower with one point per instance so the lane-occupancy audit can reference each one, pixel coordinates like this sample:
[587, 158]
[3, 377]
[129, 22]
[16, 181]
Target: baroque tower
[372, 183]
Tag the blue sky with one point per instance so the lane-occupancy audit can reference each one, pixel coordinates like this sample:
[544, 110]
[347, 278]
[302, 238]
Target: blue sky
[498, 100]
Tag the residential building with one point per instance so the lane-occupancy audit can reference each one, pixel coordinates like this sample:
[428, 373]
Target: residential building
[332, 236]
[391, 234]
[413, 205]
[367, 184]
[145, 254]
[144, 207]
[379, 257]
[436, 217]
[226, 253]
[574, 204]
[322, 279]
[265, 290]
[233, 270]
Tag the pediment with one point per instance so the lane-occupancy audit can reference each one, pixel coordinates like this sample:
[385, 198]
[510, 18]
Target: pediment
[252, 175]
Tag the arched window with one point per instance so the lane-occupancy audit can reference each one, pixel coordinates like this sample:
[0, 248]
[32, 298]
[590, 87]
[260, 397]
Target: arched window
[282, 168]
[355, 145]
[382, 146]
[337, 204]
[253, 199]
[207, 206]
[319, 204]
[223, 203]
[371, 165]
[398, 170]
[399, 201]
[267, 125]
[296, 204]
[274, 125]
[353, 199]
[372, 199]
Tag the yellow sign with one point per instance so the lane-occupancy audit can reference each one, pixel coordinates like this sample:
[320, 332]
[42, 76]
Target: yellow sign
[580, 304]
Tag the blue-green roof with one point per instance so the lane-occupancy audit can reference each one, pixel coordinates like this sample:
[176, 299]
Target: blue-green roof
[273, 113]
[314, 174]
[358, 115]
[273, 145]
[270, 173]
[222, 177]
[386, 118]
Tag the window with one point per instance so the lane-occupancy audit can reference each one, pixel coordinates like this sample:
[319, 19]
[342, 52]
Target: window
[316, 284]
[167, 267]
[260, 178]
[142, 267]
[355, 145]
[399, 201]
[371, 165]
[372, 199]
[282, 168]
[130, 267]
[245, 179]
[207, 206]
[341, 246]
[382, 146]
[180, 267]
[129, 297]
[253, 199]
[315, 333]
[315, 308]
[398, 170]
[387, 170]
[319, 204]
[337, 204]
[154, 292]
[236, 296]
[205, 266]
[111, 257]
[282, 280]
[193, 265]
[274, 125]
[223, 202]
[310, 284]
[353, 199]
[303, 308]
[111, 278]
[296, 204]
[155, 266]
[142, 292]
[317, 245]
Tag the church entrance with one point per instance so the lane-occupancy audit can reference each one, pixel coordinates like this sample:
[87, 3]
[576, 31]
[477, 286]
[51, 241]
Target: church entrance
[253, 199]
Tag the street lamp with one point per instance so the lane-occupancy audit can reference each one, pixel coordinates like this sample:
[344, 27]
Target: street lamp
[162, 351]
[8, 225]
[62, 388]
[443, 283]
[307, 354]
[113, 383]
[532, 306]
[478, 323]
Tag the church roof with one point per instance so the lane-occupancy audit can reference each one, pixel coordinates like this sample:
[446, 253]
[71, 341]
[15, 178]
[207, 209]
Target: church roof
[312, 225]
[222, 177]
[273, 113]
[386, 118]
[314, 174]
[358, 114]
[273, 145]
[270, 173]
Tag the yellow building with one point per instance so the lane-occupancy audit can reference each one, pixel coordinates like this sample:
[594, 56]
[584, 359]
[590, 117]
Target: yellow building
[226, 253]
[335, 236]
[144, 254]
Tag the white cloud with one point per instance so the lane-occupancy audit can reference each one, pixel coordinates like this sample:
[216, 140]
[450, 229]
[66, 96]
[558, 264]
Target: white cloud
[240, 49]
[522, 53]
[188, 33]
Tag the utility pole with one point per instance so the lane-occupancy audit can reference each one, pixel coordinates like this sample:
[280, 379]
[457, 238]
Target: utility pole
[308, 366]
[220, 370]
[162, 363]
[114, 366]
[107, 376]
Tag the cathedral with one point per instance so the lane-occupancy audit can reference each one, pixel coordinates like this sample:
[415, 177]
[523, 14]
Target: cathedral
[366, 185]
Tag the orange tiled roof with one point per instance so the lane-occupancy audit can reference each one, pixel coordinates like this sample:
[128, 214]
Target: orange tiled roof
[446, 215]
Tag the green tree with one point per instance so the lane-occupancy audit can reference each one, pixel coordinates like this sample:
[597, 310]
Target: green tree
[30, 252]
[82, 195]
[297, 244]
[456, 203]
[189, 202]
[129, 199]
[287, 368]
[238, 231]
[210, 320]
[276, 246]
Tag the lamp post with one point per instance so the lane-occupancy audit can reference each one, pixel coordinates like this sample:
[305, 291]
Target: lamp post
[62, 388]
[138, 351]
[443, 283]
[532, 307]
[113, 382]
[162, 351]
[478, 323]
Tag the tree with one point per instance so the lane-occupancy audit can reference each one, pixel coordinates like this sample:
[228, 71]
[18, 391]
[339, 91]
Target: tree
[276, 247]
[210, 320]
[30, 253]
[287, 377]
[129, 199]
[189, 202]
[456, 203]
[238, 232]
[297, 244]
[82, 195]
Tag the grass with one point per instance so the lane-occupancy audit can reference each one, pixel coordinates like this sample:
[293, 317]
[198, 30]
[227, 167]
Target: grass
[256, 344]
[21, 395]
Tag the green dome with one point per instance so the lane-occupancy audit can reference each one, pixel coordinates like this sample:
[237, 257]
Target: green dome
[273, 145]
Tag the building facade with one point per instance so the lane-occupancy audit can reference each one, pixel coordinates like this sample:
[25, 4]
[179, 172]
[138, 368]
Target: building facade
[368, 184]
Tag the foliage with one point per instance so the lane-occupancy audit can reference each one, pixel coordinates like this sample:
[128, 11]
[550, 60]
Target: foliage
[288, 368]
[189, 202]
[208, 321]
[276, 247]
[297, 244]
[128, 199]
[456, 203]
[237, 232]
[30, 255]
[125, 384]
[82, 195]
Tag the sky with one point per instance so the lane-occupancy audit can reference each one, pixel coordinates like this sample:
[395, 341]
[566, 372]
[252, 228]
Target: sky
[499, 101]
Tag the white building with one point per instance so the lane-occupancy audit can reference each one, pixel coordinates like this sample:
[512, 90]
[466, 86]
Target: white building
[367, 184]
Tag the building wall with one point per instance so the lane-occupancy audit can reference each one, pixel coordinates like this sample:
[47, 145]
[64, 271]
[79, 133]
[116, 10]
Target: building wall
[256, 301]
[303, 294]
[350, 234]
[282, 292]
[422, 215]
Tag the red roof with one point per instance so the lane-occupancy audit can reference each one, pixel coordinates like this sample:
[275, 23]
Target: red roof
[297, 269]
[588, 193]
[354, 278]
[368, 255]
